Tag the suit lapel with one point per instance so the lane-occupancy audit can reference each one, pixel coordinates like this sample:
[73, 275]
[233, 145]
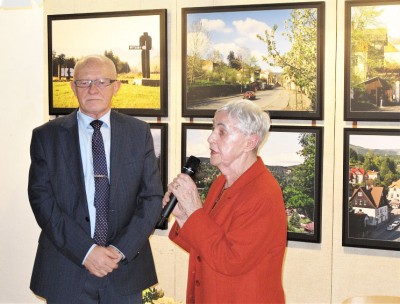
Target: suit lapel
[117, 149]
[71, 152]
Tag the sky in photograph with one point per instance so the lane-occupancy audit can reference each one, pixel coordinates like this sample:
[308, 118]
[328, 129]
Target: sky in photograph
[279, 150]
[156, 133]
[389, 19]
[376, 141]
[79, 37]
[230, 31]
[197, 144]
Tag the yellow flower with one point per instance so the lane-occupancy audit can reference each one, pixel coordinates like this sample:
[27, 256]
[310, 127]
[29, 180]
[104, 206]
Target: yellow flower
[164, 300]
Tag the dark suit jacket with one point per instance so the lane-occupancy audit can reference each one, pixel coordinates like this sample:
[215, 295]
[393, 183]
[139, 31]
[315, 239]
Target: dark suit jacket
[58, 200]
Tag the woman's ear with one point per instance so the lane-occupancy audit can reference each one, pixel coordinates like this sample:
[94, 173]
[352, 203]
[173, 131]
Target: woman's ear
[251, 142]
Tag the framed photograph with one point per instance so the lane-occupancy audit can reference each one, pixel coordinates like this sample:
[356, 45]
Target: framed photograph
[134, 40]
[159, 131]
[255, 52]
[372, 61]
[298, 170]
[371, 188]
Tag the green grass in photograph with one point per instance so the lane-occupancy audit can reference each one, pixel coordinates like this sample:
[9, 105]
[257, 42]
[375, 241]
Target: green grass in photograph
[135, 96]
[129, 96]
[63, 97]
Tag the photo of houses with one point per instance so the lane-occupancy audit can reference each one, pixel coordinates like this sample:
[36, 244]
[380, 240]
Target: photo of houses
[374, 59]
[373, 185]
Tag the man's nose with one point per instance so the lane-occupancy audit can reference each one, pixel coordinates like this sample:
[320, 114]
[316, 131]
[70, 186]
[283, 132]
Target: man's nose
[93, 88]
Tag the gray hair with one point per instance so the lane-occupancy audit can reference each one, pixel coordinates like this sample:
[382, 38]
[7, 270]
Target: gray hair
[251, 119]
[82, 62]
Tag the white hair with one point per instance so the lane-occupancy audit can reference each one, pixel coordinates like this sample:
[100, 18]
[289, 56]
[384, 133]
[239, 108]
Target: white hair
[251, 119]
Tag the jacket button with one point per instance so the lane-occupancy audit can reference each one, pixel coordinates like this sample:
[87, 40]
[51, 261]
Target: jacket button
[198, 258]
[87, 219]
[197, 283]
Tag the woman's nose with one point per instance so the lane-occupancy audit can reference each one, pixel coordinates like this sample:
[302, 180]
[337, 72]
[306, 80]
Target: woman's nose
[210, 138]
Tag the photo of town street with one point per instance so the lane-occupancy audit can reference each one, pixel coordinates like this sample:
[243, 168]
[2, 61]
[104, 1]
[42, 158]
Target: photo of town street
[255, 54]
[277, 99]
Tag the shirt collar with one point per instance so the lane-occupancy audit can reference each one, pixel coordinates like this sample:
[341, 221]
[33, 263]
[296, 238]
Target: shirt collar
[87, 119]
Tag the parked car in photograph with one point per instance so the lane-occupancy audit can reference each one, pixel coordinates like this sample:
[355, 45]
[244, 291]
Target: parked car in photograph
[249, 95]
[390, 227]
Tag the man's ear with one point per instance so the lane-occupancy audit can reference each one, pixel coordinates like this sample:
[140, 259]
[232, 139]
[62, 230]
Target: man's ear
[73, 87]
[117, 85]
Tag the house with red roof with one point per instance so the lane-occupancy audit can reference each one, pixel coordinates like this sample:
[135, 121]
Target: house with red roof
[356, 175]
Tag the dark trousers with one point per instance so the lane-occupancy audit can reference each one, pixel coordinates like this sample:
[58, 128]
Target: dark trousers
[99, 291]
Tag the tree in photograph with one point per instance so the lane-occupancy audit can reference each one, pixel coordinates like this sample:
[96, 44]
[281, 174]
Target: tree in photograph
[248, 64]
[228, 75]
[294, 222]
[205, 176]
[243, 57]
[387, 170]
[122, 67]
[369, 161]
[364, 61]
[62, 61]
[233, 61]
[300, 62]
[356, 159]
[353, 157]
[198, 43]
[217, 74]
[216, 57]
[58, 62]
[300, 193]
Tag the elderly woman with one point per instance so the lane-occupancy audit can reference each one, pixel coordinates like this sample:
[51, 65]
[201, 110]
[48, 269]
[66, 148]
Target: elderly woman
[237, 239]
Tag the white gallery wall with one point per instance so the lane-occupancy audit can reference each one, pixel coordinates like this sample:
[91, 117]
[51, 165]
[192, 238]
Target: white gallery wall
[313, 273]
[21, 108]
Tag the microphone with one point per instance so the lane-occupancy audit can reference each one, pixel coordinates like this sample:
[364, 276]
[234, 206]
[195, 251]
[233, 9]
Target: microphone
[190, 169]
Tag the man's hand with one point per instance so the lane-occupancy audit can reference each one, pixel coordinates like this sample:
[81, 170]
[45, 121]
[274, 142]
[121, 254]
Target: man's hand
[101, 261]
[120, 256]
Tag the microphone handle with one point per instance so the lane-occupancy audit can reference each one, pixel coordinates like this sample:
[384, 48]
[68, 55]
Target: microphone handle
[189, 168]
[166, 212]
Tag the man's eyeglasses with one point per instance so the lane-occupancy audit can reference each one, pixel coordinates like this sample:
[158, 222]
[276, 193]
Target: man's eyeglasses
[100, 83]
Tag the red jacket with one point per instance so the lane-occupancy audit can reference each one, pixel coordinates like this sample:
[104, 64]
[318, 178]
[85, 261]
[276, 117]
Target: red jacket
[237, 248]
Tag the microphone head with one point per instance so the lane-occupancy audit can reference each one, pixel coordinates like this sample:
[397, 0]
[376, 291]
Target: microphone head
[191, 165]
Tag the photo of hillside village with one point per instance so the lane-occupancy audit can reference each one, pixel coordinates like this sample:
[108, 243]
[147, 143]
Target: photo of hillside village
[373, 187]
[293, 156]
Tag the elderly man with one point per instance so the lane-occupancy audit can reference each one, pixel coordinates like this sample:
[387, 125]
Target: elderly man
[95, 190]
